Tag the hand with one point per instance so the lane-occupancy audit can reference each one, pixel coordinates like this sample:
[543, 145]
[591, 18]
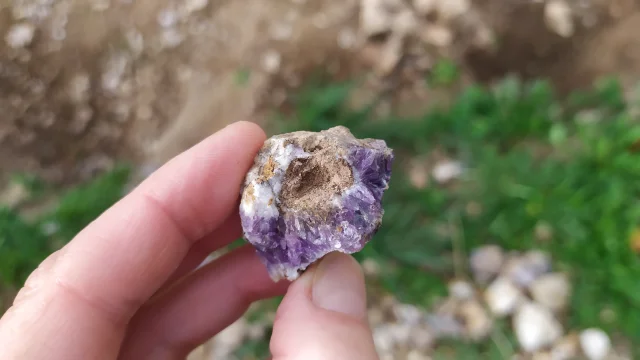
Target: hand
[124, 287]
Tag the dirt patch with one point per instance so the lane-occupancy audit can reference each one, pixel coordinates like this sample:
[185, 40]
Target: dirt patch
[85, 84]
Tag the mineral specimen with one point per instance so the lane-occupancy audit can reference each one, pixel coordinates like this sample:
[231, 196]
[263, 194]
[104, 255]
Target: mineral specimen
[309, 194]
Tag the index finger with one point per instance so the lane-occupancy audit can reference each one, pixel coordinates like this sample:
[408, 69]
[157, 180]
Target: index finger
[123, 257]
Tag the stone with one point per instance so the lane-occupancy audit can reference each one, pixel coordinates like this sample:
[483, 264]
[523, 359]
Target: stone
[309, 194]
[404, 23]
[374, 17]
[383, 339]
[535, 327]
[191, 6]
[401, 333]
[445, 326]
[271, 61]
[551, 290]
[425, 7]
[559, 18]
[451, 9]
[477, 323]
[417, 355]
[485, 262]
[566, 348]
[436, 35]
[545, 355]
[446, 171]
[408, 314]
[371, 267]
[422, 338]
[524, 270]
[595, 344]
[503, 297]
[229, 339]
[20, 35]
[461, 290]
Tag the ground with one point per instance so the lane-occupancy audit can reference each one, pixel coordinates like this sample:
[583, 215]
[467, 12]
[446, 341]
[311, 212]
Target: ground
[90, 83]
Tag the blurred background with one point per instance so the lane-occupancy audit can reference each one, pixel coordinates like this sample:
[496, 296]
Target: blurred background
[511, 227]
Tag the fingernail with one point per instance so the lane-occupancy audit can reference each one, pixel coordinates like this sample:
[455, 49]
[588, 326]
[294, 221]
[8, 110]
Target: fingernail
[338, 285]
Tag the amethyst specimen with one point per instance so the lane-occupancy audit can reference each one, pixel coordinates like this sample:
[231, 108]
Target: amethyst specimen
[309, 194]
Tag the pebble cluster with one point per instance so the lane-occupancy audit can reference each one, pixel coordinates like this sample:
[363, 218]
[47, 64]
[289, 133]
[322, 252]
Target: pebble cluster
[520, 288]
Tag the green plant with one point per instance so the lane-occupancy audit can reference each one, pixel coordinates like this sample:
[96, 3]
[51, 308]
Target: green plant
[24, 244]
[530, 160]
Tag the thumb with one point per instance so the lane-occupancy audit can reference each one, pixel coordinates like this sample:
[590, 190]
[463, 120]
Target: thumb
[324, 315]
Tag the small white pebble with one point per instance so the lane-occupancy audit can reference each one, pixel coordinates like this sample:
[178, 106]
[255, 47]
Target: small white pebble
[559, 19]
[401, 333]
[417, 355]
[536, 327]
[551, 290]
[485, 262]
[172, 38]
[450, 9]
[383, 338]
[424, 7]
[408, 314]
[461, 290]
[191, 6]
[477, 323]
[422, 338]
[404, 23]
[503, 297]
[167, 18]
[370, 267]
[20, 35]
[565, 349]
[374, 19]
[595, 344]
[347, 38]
[437, 35]
[446, 171]
[271, 61]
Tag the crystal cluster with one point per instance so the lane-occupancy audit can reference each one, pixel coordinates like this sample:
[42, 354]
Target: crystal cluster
[309, 194]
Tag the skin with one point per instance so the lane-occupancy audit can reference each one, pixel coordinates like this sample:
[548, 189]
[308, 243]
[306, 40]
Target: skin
[126, 286]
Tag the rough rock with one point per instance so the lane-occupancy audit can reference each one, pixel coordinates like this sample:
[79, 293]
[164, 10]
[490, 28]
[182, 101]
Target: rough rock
[20, 35]
[595, 344]
[309, 194]
[524, 270]
[461, 290]
[503, 297]
[566, 348]
[446, 171]
[451, 9]
[485, 262]
[559, 18]
[551, 290]
[535, 327]
[477, 322]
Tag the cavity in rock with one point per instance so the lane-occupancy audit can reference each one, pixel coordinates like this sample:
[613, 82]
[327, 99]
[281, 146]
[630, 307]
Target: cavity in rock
[309, 194]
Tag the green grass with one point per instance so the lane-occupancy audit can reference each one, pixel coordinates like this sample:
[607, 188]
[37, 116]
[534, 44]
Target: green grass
[531, 161]
[24, 244]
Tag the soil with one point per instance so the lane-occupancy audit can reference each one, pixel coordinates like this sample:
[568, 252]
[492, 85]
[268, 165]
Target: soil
[95, 82]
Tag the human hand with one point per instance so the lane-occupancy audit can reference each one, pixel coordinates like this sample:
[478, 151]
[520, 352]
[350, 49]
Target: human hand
[124, 287]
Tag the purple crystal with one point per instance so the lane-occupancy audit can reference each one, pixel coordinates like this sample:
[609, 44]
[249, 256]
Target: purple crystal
[309, 194]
